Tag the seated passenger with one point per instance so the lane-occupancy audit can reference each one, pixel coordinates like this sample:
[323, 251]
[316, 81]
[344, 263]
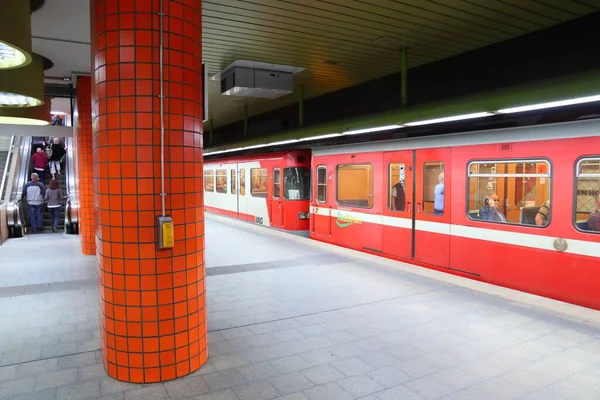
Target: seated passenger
[541, 218]
[593, 222]
[490, 211]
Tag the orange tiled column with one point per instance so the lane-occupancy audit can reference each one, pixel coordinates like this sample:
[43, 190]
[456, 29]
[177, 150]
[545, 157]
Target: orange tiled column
[85, 165]
[153, 317]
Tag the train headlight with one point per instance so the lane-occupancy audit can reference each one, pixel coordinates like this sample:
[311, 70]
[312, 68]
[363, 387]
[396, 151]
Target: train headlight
[304, 215]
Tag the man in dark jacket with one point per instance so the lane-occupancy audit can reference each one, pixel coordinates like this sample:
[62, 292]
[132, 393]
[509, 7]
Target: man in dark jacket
[33, 193]
[58, 151]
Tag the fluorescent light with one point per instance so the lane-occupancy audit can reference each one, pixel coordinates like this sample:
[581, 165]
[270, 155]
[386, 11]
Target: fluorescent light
[17, 100]
[560, 103]
[449, 119]
[11, 57]
[22, 121]
[330, 135]
[283, 142]
[376, 129]
[256, 146]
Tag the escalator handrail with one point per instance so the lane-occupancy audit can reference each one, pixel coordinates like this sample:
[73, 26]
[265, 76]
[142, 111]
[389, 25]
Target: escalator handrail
[6, 171]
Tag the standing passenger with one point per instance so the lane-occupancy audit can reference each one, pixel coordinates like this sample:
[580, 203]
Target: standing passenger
[53, 197]
[398, 196]
[593, 222]
[33, 193]
[40, 163]
[58, 152]
[438, 194]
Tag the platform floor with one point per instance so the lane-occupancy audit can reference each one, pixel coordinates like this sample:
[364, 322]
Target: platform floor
[292, 319]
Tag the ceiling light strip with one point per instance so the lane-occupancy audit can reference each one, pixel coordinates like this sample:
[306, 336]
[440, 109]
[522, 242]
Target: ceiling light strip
[552, 104]
[450, 119]
[461, 117]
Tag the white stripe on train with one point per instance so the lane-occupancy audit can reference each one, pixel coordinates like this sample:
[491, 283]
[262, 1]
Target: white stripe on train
[579, 247]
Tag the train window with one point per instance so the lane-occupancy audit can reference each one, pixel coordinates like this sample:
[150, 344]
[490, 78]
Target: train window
[209, 180]
[233, 181]
[242, 182]
[355, 185]
[321, 184]
[221, 181]
[433, 188]
[587, 213]
[258, 182]
[296, 183]
[276, 183]
[397, 185]
[515, 192]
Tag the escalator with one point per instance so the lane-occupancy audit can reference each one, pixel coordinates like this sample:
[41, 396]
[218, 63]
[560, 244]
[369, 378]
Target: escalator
[17, 175]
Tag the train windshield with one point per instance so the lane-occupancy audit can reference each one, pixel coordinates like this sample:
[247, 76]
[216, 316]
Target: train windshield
[296, 183]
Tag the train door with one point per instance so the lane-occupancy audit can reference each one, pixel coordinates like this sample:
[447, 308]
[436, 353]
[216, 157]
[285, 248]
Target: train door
[242, 200]
[320, 209]
[276, 209]
[432, 197]
[398, 217]
[233, 176]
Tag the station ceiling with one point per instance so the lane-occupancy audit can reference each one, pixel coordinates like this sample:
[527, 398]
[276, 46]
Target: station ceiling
[340, 43]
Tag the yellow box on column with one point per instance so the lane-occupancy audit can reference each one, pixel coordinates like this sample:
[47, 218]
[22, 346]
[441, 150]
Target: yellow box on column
[166, 233]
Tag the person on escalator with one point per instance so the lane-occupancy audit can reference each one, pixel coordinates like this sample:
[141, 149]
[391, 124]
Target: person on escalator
[34, 192]
[54, 196]
[40, 163]
[57, 153]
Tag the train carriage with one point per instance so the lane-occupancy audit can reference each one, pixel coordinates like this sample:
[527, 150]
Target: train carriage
[271, 190]
[424, 200]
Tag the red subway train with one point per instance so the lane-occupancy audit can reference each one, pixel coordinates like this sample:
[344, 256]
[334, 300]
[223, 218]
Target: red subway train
[517, 207]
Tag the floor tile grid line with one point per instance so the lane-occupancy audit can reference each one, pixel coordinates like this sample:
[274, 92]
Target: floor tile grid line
[82, 282]
[540, 303]
[265, 321]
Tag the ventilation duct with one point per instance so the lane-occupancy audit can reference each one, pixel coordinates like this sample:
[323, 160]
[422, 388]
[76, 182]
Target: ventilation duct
[257, 79]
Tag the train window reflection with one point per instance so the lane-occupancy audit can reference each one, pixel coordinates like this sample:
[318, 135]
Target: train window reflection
[397, 187]
[516, 192]
[258, 181]
[242, 182]
[209, 180]
[433, 188]
[296, 183]
[355, 185]
[276, 183]
[221, 181]
[321, 184]
[233, 181]
[587, 193]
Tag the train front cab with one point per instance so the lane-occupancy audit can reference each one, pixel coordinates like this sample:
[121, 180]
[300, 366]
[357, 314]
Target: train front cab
[356, 206]
[270, 190]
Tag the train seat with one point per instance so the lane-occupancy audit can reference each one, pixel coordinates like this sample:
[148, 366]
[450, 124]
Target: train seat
[528, 215]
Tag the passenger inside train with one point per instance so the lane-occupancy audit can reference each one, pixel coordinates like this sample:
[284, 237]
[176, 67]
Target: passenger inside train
[398, 192]
[541, 218]
[593, 222]
[490, 210]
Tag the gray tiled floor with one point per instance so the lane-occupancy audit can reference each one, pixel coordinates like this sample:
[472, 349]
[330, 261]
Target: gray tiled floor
[289, 320]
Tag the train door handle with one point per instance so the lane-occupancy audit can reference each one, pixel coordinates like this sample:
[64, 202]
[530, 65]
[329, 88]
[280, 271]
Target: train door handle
[409, 204]
[418, 208]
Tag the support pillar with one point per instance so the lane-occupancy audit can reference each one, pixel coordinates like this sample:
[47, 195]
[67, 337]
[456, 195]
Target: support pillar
[245, 120]
[404, 88]
[301, 105]
[152, 302]
[85, 165]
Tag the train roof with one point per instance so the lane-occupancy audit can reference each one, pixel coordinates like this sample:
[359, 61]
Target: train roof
[563, 130]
